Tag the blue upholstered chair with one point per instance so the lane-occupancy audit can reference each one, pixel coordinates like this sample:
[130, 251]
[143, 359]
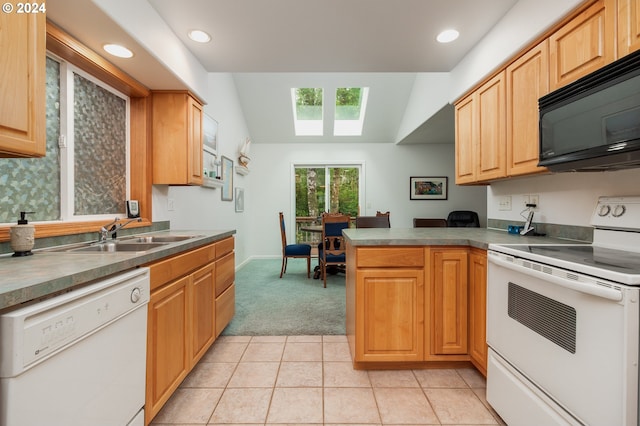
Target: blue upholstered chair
[332, 250]
[293, 250]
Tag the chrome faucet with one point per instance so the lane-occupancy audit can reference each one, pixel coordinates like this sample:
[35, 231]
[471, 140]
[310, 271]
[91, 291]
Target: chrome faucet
[110, 229]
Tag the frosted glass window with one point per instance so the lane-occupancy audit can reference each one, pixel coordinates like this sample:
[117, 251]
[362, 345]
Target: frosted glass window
[100, 149]
[84, 174]
[33, 184]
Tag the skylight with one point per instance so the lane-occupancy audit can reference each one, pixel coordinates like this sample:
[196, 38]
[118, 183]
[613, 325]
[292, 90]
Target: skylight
[351, 104]
[307, 111]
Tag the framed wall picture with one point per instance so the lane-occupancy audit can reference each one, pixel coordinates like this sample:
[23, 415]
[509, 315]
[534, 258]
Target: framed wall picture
[428, 188]
[227, 178]
[210, 134]
[239, 200]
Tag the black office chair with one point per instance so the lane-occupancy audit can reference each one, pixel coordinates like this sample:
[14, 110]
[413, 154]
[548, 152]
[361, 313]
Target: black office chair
[463, 219]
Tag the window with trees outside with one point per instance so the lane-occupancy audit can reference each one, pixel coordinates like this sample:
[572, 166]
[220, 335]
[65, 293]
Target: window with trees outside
[324, 188]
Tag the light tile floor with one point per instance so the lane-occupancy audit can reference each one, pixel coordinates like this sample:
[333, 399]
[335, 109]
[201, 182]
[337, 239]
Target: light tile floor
[306, 380]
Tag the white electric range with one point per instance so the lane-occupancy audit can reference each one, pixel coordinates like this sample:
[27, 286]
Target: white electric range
[563, 325]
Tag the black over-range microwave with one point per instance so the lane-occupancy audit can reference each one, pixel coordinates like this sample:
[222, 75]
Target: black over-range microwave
[594, 123]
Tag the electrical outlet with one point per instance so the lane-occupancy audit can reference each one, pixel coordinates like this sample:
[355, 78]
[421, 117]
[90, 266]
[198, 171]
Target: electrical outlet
[505, 203]
[525, 200]
[170, 204]
[534, 199]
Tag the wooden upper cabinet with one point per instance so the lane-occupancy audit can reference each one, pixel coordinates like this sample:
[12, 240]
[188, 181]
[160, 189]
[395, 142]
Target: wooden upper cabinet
[583, 45]
[491, 145]
[481, 133]
[527, 80]
[177, 139]
[465, 128]
[22, 85]
[628, 26]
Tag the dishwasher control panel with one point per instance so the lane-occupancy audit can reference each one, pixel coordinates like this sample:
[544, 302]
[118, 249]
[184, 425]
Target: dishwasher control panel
[40, 330]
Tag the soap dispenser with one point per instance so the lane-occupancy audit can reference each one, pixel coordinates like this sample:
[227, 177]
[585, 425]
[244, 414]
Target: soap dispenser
[22, 236]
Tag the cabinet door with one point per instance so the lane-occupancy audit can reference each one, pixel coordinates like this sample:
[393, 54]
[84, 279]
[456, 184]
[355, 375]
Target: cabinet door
[491, 150]
[628, 26]
[168, 331]
[527, 81]
[177, 139]
[203, 315]
[478, 309]
[465, 140]
[22, 85]
[448, 294]
[195, 143]
[583, 45]
[389, 315]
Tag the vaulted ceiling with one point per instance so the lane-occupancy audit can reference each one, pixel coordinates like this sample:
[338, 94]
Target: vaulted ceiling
[271, 46]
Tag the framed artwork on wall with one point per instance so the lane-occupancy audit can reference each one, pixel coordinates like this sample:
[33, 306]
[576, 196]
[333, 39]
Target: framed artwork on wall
[227, 179]
[239, 200]
[210, 134]
[428, 188]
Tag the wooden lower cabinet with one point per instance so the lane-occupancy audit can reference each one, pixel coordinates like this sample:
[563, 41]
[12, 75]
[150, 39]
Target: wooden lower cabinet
[390, 315]
[168, 331]
[187, 310]
[478, 309]
[203, 311]
[416, 306]
[447, 302]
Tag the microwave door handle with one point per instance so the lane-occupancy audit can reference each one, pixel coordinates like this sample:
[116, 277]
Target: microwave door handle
[588, 288]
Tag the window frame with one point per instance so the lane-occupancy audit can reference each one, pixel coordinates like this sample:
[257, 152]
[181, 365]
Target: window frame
[328, 165]
[140, 185]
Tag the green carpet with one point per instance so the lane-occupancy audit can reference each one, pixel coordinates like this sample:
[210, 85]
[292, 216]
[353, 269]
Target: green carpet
[294, 305]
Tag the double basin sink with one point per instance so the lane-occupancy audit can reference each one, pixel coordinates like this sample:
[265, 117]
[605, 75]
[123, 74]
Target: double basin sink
[125, 244]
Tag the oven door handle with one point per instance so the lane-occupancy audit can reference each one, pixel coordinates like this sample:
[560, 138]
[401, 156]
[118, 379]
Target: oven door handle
[588, 288]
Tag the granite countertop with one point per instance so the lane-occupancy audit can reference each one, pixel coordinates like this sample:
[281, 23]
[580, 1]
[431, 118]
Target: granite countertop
[474, 237]
[47, 272]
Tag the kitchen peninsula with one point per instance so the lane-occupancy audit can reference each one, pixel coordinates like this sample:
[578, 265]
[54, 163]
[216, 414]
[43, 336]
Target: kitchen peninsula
[416, 297]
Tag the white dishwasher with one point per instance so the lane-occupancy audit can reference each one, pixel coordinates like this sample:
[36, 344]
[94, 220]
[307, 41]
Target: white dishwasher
[77, 359]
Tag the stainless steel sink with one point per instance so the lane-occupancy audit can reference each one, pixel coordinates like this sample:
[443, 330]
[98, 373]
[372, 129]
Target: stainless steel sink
[115, 247]
[136, 243]
[162, 238]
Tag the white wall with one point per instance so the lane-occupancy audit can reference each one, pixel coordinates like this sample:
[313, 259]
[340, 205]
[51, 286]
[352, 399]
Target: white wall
[388, 168]
[565, 198]
[199, 207]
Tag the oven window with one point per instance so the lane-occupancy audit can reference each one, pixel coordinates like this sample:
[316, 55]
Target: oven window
[549, 318]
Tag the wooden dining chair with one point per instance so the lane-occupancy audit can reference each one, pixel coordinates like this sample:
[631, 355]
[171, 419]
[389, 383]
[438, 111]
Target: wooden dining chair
[332, 250]
[381, 221]
[429, 223]
[293, 250]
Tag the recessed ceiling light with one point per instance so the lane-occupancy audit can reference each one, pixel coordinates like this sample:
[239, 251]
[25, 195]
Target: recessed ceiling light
[118, 50]
[199, 36]
[447, 36]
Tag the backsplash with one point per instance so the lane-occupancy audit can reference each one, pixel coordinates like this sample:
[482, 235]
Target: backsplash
[568, 232]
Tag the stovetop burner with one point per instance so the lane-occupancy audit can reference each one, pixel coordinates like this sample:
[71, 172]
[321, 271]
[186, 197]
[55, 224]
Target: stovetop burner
[620, 261]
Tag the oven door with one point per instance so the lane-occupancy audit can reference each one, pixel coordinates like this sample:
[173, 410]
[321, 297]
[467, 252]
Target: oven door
[571, 340]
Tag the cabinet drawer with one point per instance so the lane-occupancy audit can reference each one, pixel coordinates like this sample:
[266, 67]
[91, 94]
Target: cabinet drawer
[225, 246]
[225, 308]
[368, 257]
[177, 266]
[225, 273]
